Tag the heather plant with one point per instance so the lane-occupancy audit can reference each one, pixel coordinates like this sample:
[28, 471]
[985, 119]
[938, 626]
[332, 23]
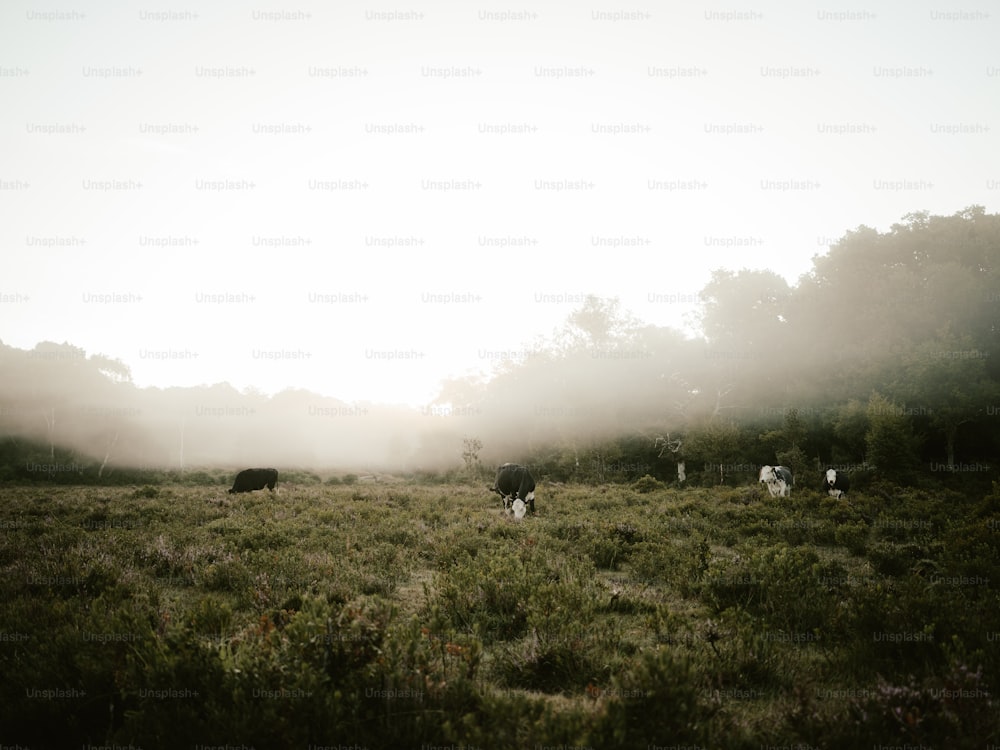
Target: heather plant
[657, 700]
[956, 709]
[646, 483]
[781, 584]
[420, 614]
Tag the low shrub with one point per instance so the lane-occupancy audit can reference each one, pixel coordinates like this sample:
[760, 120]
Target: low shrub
[953, 710]
[646, 483]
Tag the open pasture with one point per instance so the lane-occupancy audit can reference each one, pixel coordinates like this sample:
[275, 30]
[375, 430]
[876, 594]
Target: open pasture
[409, 615]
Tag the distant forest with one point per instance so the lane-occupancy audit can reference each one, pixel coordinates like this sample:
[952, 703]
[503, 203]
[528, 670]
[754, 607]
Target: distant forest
[884, 360]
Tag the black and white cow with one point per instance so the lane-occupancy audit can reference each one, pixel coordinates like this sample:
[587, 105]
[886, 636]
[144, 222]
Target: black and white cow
[778, 480]
[249, 480]
[835, 483]
[516, 487]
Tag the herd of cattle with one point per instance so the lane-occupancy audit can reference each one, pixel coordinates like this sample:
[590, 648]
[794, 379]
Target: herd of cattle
[779, 481]
[516, 487]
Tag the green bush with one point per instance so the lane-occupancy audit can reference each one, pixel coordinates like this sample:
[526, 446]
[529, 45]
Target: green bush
[956, 709]
[655, 562]
[606, 552]
[646, 484]
[783, 585]
[211, 616]
[893, 559]
[657, 701]
[489, 594]
[853, 535]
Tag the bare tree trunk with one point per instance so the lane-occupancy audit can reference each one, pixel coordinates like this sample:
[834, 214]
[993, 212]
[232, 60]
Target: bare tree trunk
[950, 431]
[674, 446]
[599, 459]
[107, 455]
[720, 393]
[50, 423]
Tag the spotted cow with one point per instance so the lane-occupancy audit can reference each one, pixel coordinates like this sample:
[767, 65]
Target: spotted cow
[778, 480]
[516, 488]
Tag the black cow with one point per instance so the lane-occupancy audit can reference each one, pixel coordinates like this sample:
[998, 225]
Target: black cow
[836, 483]
[513, 483]
[249, 480]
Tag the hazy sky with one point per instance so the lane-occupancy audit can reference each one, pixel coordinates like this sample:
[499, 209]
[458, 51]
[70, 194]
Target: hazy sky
[363, 198]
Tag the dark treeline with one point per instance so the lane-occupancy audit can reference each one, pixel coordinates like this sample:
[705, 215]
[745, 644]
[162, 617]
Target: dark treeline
[883, 360]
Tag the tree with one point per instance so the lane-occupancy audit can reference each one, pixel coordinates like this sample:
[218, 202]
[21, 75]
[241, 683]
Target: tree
[598, 323]
[721, 447]
[850, 425]
[945, 379]
[470, 455]
[787, 442]
[461, 393]
[744, 310]
[876, 293]
[113, 369]
[890, 442]
[791, 435]
[603, 455]
[673, 445]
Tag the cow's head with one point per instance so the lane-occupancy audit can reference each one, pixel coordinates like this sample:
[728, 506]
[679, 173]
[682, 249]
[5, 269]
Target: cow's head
[831, 477]
[768, 474]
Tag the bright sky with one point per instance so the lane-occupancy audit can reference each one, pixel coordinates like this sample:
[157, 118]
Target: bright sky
[364, 198]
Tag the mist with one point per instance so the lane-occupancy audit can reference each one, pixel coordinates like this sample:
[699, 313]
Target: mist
[363, 203]
[903, 319]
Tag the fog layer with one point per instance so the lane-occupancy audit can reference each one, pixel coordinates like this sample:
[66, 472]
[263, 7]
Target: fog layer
[909, 314]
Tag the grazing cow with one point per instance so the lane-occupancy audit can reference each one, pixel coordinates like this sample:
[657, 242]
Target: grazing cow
[516, 487]
[836, 483]
[778, 480]
[249, 480]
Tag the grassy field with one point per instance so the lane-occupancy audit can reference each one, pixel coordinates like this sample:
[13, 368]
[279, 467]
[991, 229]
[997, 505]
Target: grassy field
[405, 615]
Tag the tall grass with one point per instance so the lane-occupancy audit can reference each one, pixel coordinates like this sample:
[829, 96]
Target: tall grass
[417, 615]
